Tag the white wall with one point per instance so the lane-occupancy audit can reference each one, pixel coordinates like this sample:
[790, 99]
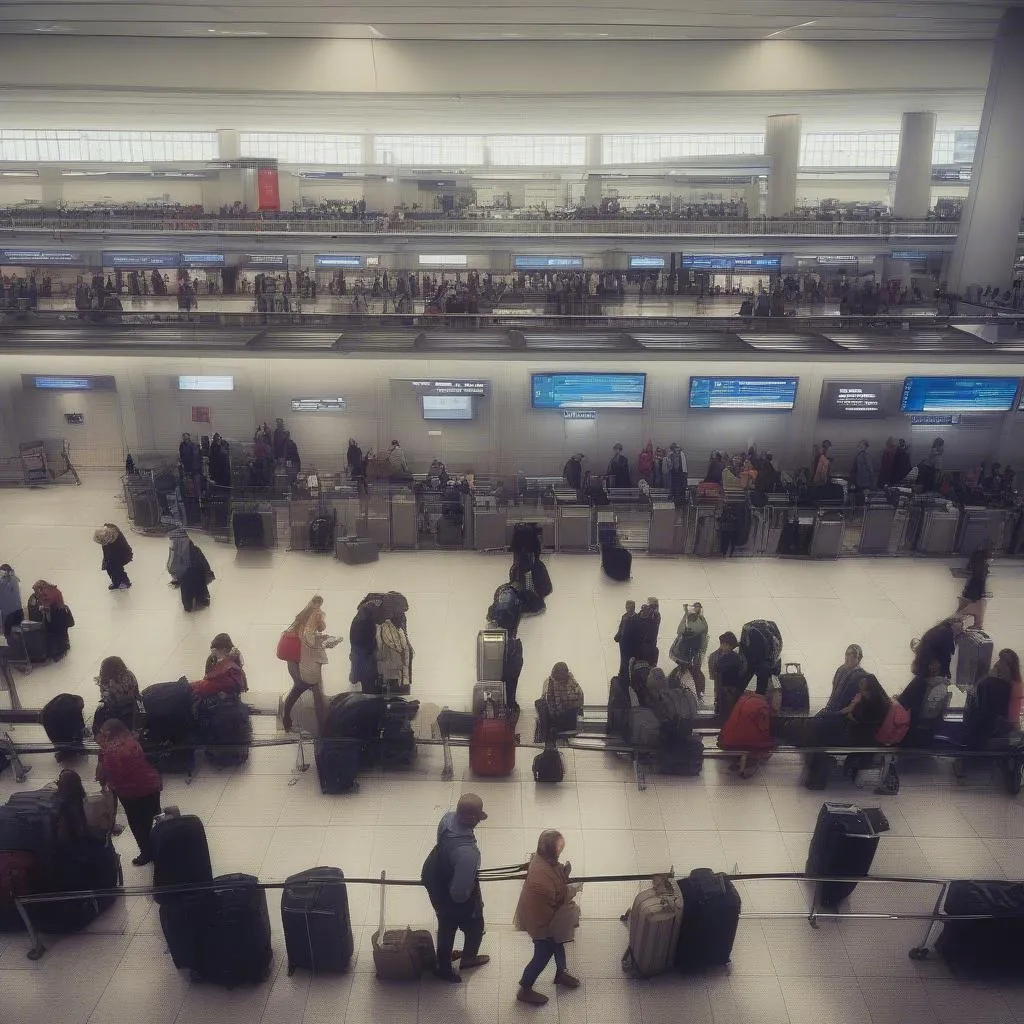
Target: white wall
[97, 190]
[19, 190]
[507, 435]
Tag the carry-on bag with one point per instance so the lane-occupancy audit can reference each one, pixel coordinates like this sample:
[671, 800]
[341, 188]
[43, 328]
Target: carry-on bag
[400, 954]
[492, 747]
[654, 922]
[168, 706]
[711, 915]
[181, 854]
[991, 944]
[33, 641]
[225, 730]
[64, 723]
[796, 699]
[843, 845]
[337, 763]
[236, 947]
[491, 645]
[548, 766]
[616, 562]
[317, 925]
[684, 758]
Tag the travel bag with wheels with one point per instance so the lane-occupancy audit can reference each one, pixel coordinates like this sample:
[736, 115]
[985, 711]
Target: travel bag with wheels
[64, 723]
[236, 947]
[491, 645]
[990, 945]
[619, 703]
[317, 925]
[616, 562]
[548, 766]
[28, 822]
[337, 763]
[843, 845]
[492, 745]
[169, 716]
[183, 920]
[973, 658]
[169, 758]
[711, 915]
[321, 534]
[684, 758]
[247, 529]
[356, 550]
[83, 865]
[796, 699]
[32, 636]
[181, 854]
[654, 922]
[225, 731]
[400, 954]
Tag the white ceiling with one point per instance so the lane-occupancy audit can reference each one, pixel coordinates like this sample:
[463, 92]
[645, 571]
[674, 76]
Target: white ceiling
[510, 19]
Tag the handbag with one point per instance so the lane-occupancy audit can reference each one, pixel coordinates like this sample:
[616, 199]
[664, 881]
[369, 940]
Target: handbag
[289, 647]
[565, 922]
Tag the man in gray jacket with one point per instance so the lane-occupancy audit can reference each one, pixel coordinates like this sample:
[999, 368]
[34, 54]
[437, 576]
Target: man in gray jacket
[450, 878]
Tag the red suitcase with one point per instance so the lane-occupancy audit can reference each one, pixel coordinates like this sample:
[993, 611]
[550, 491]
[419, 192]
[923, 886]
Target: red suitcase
[492, 747]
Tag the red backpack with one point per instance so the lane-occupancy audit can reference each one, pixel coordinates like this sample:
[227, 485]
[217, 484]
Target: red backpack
[749, 725]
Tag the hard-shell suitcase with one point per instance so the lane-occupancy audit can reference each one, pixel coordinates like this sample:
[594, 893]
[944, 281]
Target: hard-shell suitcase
[494, 692]
[181, 854]
[973, 658]
[337, 763]
[827, 539]
[183, 920]
[400, 954]
[642, 728]
[317, 925]
[356, 550]
[796, 699]
[490, 654]
[225, 731]
[64, 722]
[168, 710]
[33, 639]
[711, 915]
[683, 758]
[28, 821]
[843, 845]
[548, 766]
[236, 946]
[492, 747]
[298, 536]
[654, 922]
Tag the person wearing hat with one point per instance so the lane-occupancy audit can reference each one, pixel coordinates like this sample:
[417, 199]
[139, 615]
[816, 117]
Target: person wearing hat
[618, 468]
[450, 876]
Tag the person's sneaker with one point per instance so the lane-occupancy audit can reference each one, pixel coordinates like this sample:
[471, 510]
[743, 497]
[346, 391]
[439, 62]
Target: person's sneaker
[142, 860]
[449, 976]
[475, 961]
[566, 980]
[528, 995]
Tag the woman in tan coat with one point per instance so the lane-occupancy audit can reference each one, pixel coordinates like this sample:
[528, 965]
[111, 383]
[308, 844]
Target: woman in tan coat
[546, 913]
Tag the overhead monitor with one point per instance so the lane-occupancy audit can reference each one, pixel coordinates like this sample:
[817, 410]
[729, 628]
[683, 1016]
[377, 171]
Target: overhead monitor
[267, 260]
[959, 394]
[452, 386]
[856, 399]
[42, 258]
[442, 260]
[588, 390]
[447, 407]
[548, 262]
[142, 260]
[742, 262]
[198, 260]
[753, 393]
[646, 262]
[205, 383]
[84, 382]
[337, 261]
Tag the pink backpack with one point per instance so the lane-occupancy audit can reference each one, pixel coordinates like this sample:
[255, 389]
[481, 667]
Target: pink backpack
[894, 726]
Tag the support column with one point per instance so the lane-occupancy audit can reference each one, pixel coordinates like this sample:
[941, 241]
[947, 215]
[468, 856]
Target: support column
[51, 187]
[987, 241]
[592, 181]
[912, 196]
[368, 158]
[229, 144]
[782, 147]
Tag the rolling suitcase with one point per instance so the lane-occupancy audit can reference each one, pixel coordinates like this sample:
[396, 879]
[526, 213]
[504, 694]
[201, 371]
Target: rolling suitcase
[356, 550]
[685, 758]
[973, 658]
[492, 747]
[827, 539]
[236, 947]
[33, 640]
[337, 763]
[64, 723]
[247, 530]
[321, 534]
[84, 865]
[168, 707]
[843, 845]
[400, 954]
[548, 766]
[490, 654]
[711, 915]
[992, 943]
[616, 562]
[317, 925]
[181, 854]
[183, 922]
[225, 732]
[796, 699]
[654, 923]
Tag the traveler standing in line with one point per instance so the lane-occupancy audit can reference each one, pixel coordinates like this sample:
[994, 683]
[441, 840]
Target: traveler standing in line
[450, 876]
[398, 464]
[618, 468]
[677, 473]
[821, 471]
[572, 472]
[900, 463]
[649, 621]
[863, 472]
[690, 645]
[307, 673]
[117, 553]
[547, 914]
[627, 636]
[972, 599]
[885, 463]
[11, 611]
[123, 769]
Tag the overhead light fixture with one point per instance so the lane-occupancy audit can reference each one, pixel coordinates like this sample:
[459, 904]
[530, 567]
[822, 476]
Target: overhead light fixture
[791, 28]
[53, 29]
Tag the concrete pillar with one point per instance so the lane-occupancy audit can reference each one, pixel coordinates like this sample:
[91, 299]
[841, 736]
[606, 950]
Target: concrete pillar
[592, 190]
[51, 186]
[594, 153]
[752, 195]
[368, 158]
[987, 241]
[782, 147]
[229, 144]
[913, 192]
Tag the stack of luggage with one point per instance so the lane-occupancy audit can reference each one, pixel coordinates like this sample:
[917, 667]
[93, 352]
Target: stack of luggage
[225, 729]
[169, 737]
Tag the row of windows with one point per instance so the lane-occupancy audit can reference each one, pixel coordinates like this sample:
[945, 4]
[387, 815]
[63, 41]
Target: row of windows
[817, 149]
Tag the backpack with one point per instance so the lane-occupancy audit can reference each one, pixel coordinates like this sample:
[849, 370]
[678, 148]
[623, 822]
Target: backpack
[749, 725]
[676, 708]
[548, 766]
[894, 726]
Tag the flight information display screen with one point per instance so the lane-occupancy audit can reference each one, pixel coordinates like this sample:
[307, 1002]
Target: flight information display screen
[548, 262]
[716, 262]
[768, 393]
[959, 394]
[447, 407]
[856, 399]
[646, 262]
[332, 260]
[588, 390]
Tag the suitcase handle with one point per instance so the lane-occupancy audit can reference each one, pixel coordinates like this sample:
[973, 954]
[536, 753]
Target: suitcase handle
[383, 897]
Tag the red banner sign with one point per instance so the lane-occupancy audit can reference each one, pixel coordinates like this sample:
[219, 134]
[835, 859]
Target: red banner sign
[268, 192]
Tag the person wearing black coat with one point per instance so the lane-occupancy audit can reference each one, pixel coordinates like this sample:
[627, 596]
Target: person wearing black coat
[291, 453]
[628, 637]
[117, 553]
[900, 464]
[618, 468]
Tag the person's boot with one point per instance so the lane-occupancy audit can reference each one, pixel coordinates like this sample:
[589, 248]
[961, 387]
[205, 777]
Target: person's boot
[566, 980]
[528, 995]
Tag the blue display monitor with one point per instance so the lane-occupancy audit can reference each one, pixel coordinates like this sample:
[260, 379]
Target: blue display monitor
[588, 390]
[548, 262]
[197, 260]
[447, 407]
[646, 262]
[337, 261]
[716, 262]
[140, 260]
[959, 394]
[42, 258]
[756, 393]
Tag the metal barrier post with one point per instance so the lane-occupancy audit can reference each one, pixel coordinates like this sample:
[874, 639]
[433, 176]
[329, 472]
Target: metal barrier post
[921, 952]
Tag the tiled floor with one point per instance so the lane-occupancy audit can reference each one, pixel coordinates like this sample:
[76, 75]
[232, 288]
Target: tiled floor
[270, 820]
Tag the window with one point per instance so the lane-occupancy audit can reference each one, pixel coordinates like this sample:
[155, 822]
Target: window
[120, 147]
[849, 149]
[646, 149]
[310, 148]
[429, 150]
[538, 150]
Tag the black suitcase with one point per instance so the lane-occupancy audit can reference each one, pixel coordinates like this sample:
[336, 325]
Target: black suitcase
[321, 534]
[28, 821]
[449, 533]
[616, 562]
[86, 864]
[990, 945]
[236, 947]
[247, 529]
[169, 716]
[181, 854]
[796, 698]
[225, 732]
[317, 926]
[183, 920]
[169, 758]
[337, 763]
[619, 704]
[548, 766]
[397, 745]
[685, 757]
[843, 845]
[33, 640]
[130, 714]
[542, 579]
[64, 723]
[711, 915]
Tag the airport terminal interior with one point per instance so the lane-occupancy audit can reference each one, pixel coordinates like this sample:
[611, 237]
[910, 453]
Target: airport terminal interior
[715, 304]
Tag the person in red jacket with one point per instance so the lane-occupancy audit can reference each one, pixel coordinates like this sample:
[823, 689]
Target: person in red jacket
[224, 673]
[123, 769]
